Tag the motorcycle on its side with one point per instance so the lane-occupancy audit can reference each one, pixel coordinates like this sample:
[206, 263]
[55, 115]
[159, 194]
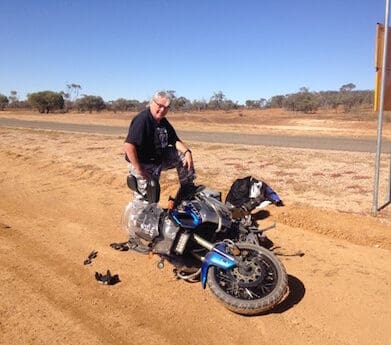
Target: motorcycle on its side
[214, 243]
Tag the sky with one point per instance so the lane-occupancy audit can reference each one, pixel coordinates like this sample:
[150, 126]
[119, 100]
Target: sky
[247, 49]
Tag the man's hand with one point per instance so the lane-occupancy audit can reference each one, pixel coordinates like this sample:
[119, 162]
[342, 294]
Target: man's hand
[143, 173]
[188, 162]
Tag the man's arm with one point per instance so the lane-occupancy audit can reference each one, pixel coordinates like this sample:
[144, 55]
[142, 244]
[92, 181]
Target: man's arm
[131, 153]
[181, 147]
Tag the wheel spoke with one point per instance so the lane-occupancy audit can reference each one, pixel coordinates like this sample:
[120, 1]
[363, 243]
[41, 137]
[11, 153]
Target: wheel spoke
[251, 294]
[224, 277]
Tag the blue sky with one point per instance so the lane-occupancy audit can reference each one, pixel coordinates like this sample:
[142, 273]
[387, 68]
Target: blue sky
[248, 49]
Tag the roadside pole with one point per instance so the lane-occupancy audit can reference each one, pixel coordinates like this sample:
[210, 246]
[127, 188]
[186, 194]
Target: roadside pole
[381, 109]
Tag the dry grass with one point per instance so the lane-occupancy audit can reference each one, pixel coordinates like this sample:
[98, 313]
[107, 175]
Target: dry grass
[277, 121]
[341, 181]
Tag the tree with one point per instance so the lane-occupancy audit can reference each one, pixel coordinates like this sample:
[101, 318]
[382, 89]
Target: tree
[122, 104]
[46, 101]
[347, 97]
[73, 91]
[217, 100]
[199, 105]
[3, 101]
[253, 104]
[307, 102]
[304, 100]
[180, 103]
[347, 87]
[90, 103]
[13, 98]
[171, 94]
[276, 101]
[329, 100]
[229, 104]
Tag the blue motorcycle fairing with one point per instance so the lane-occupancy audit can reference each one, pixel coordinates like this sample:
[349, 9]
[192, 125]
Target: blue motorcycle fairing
[183, 220]
[217, 257]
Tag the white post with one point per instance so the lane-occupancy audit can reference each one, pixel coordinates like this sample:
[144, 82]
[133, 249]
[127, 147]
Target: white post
[381, 108]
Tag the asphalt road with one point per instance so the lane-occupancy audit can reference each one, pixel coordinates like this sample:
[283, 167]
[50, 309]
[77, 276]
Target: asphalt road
[310, 142]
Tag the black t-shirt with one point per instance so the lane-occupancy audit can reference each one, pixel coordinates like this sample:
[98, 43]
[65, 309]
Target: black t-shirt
[150, 137]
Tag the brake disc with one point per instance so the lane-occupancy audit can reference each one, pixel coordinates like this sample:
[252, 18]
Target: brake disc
[249, 273]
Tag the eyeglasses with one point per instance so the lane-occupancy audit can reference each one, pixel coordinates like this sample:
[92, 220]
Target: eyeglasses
[161, 106]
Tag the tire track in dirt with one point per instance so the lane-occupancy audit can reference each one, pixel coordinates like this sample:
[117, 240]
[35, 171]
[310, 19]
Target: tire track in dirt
[56, 284]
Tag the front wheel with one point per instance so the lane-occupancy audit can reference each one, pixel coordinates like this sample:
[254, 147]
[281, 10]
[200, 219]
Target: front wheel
[257, 284]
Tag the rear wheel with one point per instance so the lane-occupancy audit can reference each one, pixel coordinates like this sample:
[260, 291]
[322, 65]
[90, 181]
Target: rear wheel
[256, 285]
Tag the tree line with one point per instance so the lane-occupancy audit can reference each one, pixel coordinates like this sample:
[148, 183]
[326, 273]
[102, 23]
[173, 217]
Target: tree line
[346, 98]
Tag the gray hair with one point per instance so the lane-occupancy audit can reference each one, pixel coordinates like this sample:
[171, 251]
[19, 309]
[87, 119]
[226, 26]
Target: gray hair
[161, 94]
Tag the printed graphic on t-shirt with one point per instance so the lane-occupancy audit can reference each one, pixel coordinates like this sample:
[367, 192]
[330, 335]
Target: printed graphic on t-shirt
[162, 136]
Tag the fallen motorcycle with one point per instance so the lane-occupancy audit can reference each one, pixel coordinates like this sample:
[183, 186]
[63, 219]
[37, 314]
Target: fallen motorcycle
[212, 242]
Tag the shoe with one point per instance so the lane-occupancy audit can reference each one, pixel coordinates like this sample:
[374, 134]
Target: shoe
[107, 278]
[186, 192]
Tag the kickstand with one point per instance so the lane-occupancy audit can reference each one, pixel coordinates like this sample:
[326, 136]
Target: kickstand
[298, 253]
[268, 227]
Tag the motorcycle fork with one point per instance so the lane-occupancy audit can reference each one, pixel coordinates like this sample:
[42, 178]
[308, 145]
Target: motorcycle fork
[216, 256]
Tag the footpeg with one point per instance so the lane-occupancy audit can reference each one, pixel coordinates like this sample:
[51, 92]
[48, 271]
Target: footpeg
[160, 264]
